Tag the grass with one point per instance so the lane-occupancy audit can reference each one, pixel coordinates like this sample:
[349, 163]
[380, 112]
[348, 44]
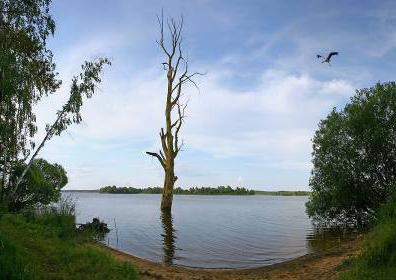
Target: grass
[378, 257]
[47, 246]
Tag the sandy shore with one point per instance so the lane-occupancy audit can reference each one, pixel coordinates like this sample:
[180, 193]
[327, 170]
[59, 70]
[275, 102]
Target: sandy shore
[316, 266]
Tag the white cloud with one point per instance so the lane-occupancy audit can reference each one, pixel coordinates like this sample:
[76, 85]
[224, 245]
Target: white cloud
[277, 118]
[272, 122]
[337, 87]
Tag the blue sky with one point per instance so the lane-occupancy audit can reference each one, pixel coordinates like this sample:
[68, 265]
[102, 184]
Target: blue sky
[251, 122]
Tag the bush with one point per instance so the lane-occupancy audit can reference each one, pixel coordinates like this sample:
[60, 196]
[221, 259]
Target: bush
[354, 158]
[96, 229]
[40, 186]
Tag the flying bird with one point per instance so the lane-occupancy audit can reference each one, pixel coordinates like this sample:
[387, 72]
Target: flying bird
[328, 58]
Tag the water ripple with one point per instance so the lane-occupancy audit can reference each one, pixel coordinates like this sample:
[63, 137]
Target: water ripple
[205, 231]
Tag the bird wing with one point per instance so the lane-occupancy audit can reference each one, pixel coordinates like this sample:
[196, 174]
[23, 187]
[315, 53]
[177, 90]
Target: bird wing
[331, 54]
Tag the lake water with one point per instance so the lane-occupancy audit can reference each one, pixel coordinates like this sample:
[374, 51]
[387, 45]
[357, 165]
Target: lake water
[203, 231]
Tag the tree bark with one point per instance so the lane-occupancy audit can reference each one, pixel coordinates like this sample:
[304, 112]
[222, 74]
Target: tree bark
[167, 191]
[48, 135]
[176, 67]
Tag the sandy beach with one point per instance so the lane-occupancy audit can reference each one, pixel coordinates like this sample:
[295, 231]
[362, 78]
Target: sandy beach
[315, 266]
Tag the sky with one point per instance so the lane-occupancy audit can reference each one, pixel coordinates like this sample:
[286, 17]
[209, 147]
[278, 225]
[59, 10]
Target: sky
[250, 123]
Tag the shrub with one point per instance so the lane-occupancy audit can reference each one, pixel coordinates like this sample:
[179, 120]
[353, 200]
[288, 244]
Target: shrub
[96, 229]
[40, 186]
[354, 158]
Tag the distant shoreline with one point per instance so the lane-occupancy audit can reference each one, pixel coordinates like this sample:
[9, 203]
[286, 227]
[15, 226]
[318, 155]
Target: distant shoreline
[256, 192]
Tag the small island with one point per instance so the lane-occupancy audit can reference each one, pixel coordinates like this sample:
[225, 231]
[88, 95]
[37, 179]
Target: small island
[220, 190]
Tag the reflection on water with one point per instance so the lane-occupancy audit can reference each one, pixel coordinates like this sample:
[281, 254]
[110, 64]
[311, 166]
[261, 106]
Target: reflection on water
[324, 238]
[168, 237]
[317, 239]
[207, 231]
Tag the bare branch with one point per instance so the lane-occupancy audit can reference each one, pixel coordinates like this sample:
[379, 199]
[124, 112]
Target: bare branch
[179, 59]
[163, 140]
[161, 41]
[181, 115]
[178, 87]
[180, 146]
[180, 29]
[162, 156]
[158, 157]
[172, 30]
[188, 78]
[175, 123]
[177, 97]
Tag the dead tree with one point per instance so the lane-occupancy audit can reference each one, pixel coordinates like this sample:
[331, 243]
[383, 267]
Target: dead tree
[176, 67]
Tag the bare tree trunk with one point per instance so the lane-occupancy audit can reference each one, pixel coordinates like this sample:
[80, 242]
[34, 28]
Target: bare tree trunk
[170, 144]
[167, 191]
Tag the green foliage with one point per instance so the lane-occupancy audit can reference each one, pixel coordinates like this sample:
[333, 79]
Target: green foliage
[130, 190]
[82, 85]
[35, 248]
[354, 157]
[27, 73]
[378, 257]
[96, 228]
[40, 186]
[215, 191]
[283, 193]
[70, 113]
[221, 190]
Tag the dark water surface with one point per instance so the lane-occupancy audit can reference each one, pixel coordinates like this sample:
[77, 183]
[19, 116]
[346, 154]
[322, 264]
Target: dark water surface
[203, 231]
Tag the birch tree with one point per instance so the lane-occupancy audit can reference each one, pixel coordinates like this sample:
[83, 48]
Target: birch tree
[82, 86]
[28, 74]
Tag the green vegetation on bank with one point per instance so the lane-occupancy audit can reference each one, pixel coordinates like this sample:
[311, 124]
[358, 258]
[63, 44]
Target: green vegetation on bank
[353, 178]
[48, 246]
[378, 257]
[41, 185]
[221, 190]
[283, 193]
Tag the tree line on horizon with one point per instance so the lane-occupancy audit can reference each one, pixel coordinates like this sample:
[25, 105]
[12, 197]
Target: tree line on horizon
[220, 190]
[193, 190]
